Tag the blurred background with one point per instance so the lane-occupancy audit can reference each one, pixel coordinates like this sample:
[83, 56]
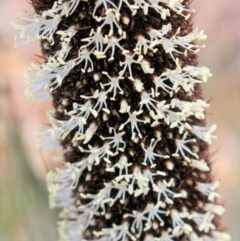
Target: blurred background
[24, 213]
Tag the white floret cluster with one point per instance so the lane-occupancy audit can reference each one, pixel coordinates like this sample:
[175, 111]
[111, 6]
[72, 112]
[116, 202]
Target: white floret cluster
[130, 179]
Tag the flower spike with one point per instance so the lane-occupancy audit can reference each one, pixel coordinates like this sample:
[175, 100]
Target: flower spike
[129, 116]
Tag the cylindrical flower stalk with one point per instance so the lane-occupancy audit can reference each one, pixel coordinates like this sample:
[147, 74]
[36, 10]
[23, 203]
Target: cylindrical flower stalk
[129, 114]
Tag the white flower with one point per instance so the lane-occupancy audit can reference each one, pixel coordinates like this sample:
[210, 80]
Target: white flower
[159, 83]
[186, 41]
[162, 188]
[148, 174]
[178, 7]
[141, 180]
[62, 181]
[113, 85]
[157, 35]
[39, 27]
[54, 72]
[198, 72]
[176, 119]
[96, 39]
[182, 148]
[101, 97]
[204, 133]
[190, 108]
[148, 101]
[215, 209]
[203, 220]
[164, 12]
[86, 217]
[144, 44]
[105, 3]
[152, 212]
[134, 123]
[150, 154]
[116, 140]
[127, 64]
[112, 19]
[201, 165]
[186, 77]
[67, 34]
[137, 224]
[97, 154]
[48, 138]
[36, 89]
[208, 189]
[116, 233]
[83, 110]
[112, 43]
[98, 200]
[84, 56]
[178, 222]
[122, 164]
[87, 136]
[122, 188]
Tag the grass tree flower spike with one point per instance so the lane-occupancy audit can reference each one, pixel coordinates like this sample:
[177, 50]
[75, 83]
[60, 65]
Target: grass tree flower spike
[125, 84]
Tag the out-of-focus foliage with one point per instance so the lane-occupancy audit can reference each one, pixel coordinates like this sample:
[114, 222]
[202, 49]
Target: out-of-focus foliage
[24, 211]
